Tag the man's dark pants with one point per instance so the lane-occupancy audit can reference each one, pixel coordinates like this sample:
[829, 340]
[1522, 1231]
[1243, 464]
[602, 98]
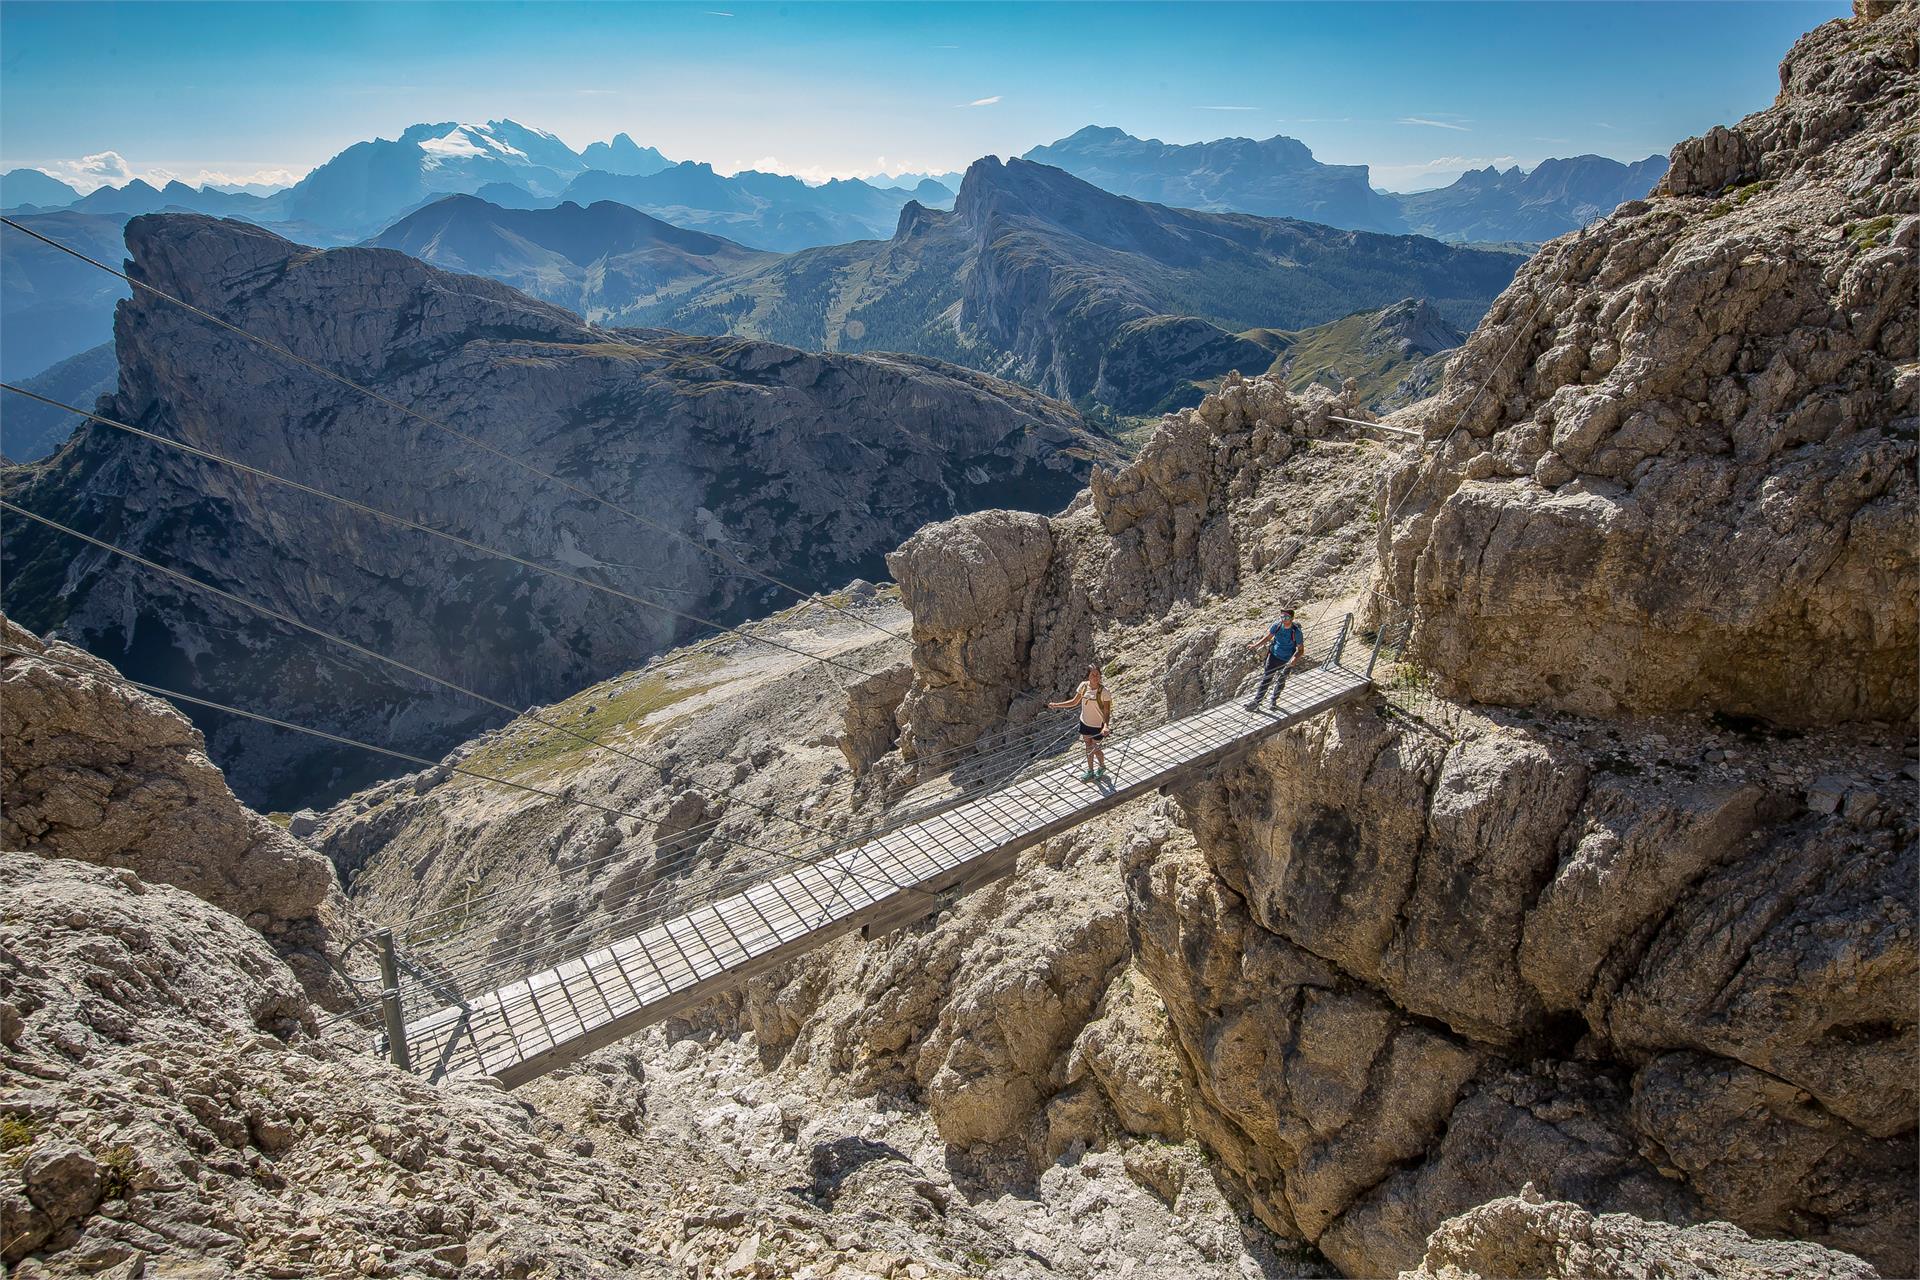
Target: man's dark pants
[1273, 665]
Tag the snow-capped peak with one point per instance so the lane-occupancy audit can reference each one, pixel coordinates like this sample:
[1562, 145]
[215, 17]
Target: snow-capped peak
[467, 141]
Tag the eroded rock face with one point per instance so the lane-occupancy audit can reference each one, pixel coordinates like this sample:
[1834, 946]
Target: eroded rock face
[1669, 988]
[1527, 1235]
[1676, 462]
[97, 771]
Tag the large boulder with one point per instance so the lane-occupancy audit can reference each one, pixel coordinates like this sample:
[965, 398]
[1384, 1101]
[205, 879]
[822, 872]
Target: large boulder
[1538, 1239]
[172, 1109]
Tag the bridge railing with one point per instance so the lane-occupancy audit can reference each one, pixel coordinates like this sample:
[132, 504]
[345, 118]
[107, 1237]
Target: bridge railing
[1406, 687]
[444, 957]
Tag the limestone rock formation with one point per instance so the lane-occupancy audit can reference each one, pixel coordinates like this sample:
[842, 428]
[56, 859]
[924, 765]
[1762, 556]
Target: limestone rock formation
[1525, 1235]
[808, 466]
[97, 771]
[179, 1111]
[1667, 987]
[1675, 465]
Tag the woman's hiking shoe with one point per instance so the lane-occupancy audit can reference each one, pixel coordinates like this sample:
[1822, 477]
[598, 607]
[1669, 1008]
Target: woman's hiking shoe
[1101, 772]
[1087, 776]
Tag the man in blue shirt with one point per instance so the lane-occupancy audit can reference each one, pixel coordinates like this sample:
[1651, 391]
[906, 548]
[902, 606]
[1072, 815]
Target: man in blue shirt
[1285, 644]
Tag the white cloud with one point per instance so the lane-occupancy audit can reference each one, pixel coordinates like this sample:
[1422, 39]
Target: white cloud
[718, 13]
[1602, 124]
[1226, 108]
[946, 46]
[984, 102]
[1433, 124]
[1313, 120]
[110, 168]
[105, 168]
[272, 177]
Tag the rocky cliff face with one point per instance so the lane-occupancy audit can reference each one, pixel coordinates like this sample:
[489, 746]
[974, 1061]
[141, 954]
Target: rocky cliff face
[1412, 974]
[1646, 965]
[99, 772]
[1675, 468]
[1656, 967]
[1383, 971]
[1252, 495]
[811, 466]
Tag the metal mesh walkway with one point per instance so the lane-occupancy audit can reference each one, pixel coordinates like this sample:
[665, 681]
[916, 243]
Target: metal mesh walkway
[555, 1017]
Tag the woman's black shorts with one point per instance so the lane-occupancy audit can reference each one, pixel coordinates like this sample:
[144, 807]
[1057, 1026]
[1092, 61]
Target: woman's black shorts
[1091, 731]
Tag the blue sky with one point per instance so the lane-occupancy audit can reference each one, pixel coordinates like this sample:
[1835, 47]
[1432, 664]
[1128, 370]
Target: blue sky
[1418, 91]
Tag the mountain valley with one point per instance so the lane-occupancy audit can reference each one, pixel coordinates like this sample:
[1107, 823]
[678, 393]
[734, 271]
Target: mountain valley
[821, 462]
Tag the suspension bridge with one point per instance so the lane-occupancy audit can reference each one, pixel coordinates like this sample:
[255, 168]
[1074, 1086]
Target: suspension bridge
[558, 1015]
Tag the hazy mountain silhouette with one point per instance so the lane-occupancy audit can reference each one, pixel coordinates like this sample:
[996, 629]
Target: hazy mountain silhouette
[1556, 197]
[1279, 177]
[20, 187]
[1275, 177]
[623, 155]
[53, 306]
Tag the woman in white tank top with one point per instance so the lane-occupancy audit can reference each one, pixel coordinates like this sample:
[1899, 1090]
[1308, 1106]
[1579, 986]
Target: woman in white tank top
[1096, 713]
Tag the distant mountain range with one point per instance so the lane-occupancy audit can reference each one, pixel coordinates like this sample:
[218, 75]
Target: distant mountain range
[1101, 300]
[1279, 177]
[603, 261]
[1555, 197]
[30, 430]
[764, 210]
[369, 187]
[372, 187]
[30, 188]
[623, 155]
[372, 184]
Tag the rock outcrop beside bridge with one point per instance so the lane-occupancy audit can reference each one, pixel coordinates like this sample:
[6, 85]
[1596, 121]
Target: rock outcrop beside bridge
[1675, 468]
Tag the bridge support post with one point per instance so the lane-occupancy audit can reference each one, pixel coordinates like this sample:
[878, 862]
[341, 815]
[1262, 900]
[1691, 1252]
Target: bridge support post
[1380, 639]
[390, 1002]
[1340, 641]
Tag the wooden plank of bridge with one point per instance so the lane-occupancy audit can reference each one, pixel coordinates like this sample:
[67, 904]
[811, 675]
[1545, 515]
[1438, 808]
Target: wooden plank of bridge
[557, 1016]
